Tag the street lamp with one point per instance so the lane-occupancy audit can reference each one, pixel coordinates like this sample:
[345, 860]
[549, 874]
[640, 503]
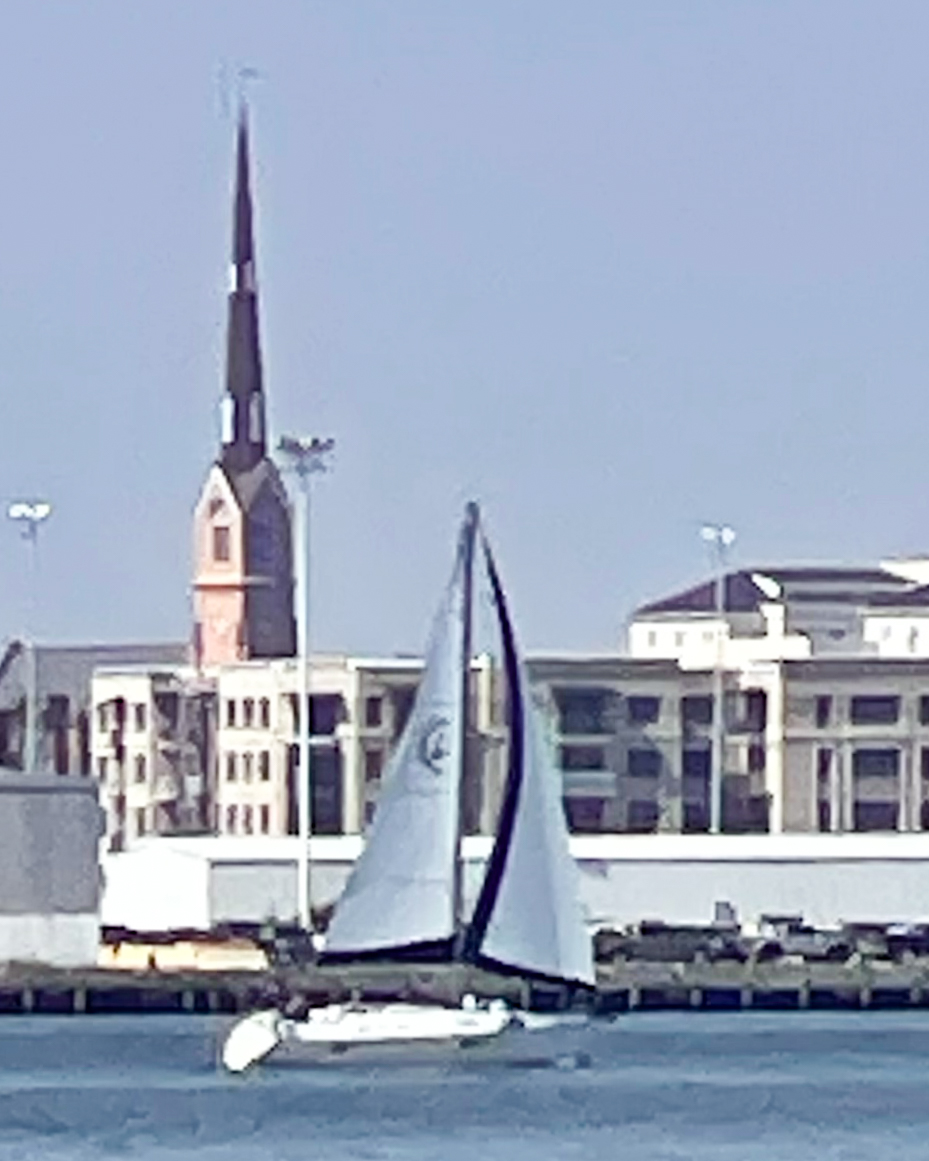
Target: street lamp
[29, 515]
[305, 457]
[719, 538]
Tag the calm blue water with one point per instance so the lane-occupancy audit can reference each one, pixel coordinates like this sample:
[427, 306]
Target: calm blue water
[727, 1087]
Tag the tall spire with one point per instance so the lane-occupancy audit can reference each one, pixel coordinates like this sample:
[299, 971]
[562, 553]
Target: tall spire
[242, 410]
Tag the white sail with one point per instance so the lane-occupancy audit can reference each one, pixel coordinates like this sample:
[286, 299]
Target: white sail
[401, 891]
[529, 916]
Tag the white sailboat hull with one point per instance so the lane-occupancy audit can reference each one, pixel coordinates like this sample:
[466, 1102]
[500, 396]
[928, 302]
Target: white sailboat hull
[382, 1031]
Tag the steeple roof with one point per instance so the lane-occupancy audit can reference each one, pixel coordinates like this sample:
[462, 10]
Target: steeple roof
[243, 418]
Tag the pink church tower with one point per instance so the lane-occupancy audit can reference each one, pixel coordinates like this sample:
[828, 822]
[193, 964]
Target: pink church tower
[243, 557]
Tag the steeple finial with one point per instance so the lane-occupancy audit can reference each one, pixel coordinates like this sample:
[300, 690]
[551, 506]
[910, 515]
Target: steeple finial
[242, 414]
[243, 246]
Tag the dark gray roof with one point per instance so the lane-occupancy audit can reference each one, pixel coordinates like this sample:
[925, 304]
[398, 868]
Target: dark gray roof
[803, 585]
[833, 574]
[742, 595]
[66, 670]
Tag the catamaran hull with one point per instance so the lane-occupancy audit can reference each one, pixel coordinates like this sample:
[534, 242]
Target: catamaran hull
[401, 1032]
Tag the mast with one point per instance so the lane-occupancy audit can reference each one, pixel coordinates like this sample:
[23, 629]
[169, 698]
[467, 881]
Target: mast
[468, 537]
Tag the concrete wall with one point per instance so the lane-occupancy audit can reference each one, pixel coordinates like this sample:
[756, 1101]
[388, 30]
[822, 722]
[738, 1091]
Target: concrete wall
[49, 829]
[49, 875]
[59, 940]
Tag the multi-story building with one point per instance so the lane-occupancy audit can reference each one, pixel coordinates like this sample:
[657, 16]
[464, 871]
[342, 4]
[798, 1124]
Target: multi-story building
[177, 751]
[55, 680]
[153, 737]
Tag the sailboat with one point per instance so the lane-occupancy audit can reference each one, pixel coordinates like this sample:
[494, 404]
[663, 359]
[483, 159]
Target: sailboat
[403, 901]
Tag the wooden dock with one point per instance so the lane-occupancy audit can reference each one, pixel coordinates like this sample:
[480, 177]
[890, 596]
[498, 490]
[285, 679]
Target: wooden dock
[622, 987]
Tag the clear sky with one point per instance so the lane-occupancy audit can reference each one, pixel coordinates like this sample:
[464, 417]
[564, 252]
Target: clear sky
[613, 268]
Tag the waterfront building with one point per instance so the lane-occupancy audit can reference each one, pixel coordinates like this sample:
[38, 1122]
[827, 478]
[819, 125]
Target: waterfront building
[59, 678]
[178, 751]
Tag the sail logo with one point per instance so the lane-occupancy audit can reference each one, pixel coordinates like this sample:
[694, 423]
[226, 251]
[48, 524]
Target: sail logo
[433, 747]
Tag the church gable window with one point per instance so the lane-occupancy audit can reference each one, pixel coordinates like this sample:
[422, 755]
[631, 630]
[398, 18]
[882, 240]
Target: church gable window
[222, 543]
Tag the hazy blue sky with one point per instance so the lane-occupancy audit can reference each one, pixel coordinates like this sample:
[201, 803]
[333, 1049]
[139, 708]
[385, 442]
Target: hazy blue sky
[613, 268]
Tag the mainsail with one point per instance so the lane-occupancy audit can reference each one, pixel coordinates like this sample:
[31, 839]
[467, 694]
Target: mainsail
[400, 897]
[527, 916]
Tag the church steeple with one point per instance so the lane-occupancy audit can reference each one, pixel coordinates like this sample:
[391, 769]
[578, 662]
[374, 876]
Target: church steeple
[243, 552]
[242, 410]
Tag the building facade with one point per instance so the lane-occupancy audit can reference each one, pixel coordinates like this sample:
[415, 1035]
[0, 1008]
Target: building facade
[178, 752]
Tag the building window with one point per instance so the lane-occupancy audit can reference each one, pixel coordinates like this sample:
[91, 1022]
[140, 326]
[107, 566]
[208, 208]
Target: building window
[373, 712]
[584, 711]
[248, 712]
[231, 766]
[246, 820]
[875, 763]
[823, 765]
[264, 713]
[230, 712]
[643, 763]
[697, 710]
[402, 698]
[696, 819]
[924, 710]
[875, 815]
[875, 711]
[326, 711]
[924, 763]
[374, 764]
[246, 767]
[823, 815]
[101, 768]
[884, 763]
[757, 758]
[823, 711]
[230, 819]
[101, 717]
[695, 765]
[264, 765]
[584, 815]
[583, 758]
[642, 711]
[222, 543]
[140, 767]
[264, 814]
[327, 791]
[746, 710]
[642, 816]
[652, 638]
[140, 821]
[140, 716]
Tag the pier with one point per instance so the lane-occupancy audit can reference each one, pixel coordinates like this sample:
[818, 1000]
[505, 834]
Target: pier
[625, 987]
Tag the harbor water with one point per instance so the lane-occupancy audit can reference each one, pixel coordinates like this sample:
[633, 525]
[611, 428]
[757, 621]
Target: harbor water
[728, 1087]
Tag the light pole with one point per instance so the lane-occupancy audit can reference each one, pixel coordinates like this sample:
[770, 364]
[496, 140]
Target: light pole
[304, 457]
[720, 538]
[30, 515]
